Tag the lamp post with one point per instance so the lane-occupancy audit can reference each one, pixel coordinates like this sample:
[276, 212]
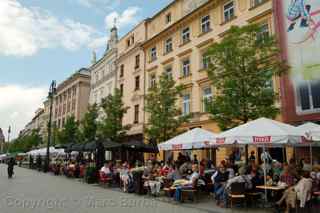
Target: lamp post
[52, 91]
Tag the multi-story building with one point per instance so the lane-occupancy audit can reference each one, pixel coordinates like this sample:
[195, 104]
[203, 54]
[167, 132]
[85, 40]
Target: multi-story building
[103, 71]
[177, 39]
[130, 79]
[72, 97]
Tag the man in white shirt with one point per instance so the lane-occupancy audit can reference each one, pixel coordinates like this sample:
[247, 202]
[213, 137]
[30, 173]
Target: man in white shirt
[106, 170]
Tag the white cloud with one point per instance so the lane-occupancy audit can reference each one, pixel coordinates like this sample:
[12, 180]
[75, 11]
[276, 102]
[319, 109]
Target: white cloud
[100, 4]
[18, 105]
[24, 31]
[127, 17]
[98, 42]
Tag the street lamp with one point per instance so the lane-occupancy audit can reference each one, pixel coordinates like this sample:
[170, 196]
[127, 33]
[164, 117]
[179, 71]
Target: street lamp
[52, 92]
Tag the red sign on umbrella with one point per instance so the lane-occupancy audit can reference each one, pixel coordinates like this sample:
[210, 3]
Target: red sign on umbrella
[261, 139]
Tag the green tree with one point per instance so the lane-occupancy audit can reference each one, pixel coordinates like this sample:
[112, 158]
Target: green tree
[164, 117]
[111, 124]
[241, 69]
[26, 143]
[89, 124]
[70, 132]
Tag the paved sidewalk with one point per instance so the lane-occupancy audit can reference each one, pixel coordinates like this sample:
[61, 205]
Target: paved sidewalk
[32, 191]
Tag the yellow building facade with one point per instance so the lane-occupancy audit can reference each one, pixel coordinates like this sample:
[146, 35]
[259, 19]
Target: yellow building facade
[177, 39]
[131, 80]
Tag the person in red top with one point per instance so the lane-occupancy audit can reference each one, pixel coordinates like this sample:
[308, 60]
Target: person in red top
[286, 176]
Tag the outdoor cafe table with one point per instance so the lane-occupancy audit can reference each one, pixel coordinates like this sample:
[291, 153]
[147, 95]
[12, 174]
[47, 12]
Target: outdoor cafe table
[276, 192]
[272, 188]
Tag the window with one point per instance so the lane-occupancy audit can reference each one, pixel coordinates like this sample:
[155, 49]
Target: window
[121, 89]
[68, 107]
[136, 114]
[152, 81]
[130, 41]
[153, 54]
[206, 98]
[205, 61]
[168, 45]
[186, 104]
[168, 18]
[269, 83]
[168, 71]
[73, 107]
[137, 83]
[186, 35]
[186, 67]
[256, 2]
[263, 32]
[121, 70]
[228, 11]
[205, 24]
[309, 96]
[137, 62]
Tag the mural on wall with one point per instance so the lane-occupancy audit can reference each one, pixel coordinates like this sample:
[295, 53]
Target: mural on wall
[302, 28]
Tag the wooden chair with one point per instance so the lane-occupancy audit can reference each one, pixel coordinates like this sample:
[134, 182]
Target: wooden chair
[237, 193]
[191, 193]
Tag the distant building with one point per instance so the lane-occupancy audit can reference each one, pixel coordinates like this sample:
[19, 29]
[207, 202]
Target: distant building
[71, 98]
[103, 71]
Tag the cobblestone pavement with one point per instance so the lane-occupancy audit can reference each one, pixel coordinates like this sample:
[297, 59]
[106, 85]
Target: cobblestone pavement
[36, 192]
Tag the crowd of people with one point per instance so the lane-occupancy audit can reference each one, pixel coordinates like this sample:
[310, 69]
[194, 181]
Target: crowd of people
[297, 180]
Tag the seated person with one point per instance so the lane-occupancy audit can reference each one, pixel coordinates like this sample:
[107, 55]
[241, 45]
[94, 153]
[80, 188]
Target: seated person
[304, 189]
[193, 179]
[124, 176]
[106, 170]
[174, 174]
[286, 176]
[301, 191]
[219, 179]
[149, 175]
[245, 179]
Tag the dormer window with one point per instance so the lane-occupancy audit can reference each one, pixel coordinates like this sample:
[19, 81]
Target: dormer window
[130, 41]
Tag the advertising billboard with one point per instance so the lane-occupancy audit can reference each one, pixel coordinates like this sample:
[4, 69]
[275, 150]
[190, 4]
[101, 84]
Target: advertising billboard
[299, 24]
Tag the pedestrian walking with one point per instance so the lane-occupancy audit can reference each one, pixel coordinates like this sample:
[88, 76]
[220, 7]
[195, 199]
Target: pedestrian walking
[11, 164]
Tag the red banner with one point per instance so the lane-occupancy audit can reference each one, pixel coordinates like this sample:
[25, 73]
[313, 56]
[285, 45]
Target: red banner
[220, 140]
[176, 146]
[261, 139]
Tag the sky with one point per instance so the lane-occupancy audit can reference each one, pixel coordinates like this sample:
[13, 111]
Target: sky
[45, 40]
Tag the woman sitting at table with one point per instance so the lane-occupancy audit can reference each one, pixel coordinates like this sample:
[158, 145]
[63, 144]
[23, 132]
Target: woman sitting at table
[193, 179]
[286, 176]
[149, 175]
[219, 179]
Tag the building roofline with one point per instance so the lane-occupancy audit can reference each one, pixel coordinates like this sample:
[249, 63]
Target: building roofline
[182, 19]
[73, 76]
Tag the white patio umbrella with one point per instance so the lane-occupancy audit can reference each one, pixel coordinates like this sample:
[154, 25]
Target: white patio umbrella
[312, 133]
[262, 131]
[196, 138]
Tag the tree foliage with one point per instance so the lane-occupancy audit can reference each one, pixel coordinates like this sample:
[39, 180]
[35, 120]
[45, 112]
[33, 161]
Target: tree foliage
[241, 69]
[26, 143]
[89, 124]
[164, 116]
[70, 132]
[111, 124]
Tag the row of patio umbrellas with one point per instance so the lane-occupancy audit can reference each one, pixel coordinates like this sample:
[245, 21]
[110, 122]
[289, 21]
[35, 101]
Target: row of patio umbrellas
[109, 145]
[262, 131]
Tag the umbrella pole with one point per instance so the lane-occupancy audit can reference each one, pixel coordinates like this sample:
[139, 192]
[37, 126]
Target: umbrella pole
[265, 173]
[311, 160]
